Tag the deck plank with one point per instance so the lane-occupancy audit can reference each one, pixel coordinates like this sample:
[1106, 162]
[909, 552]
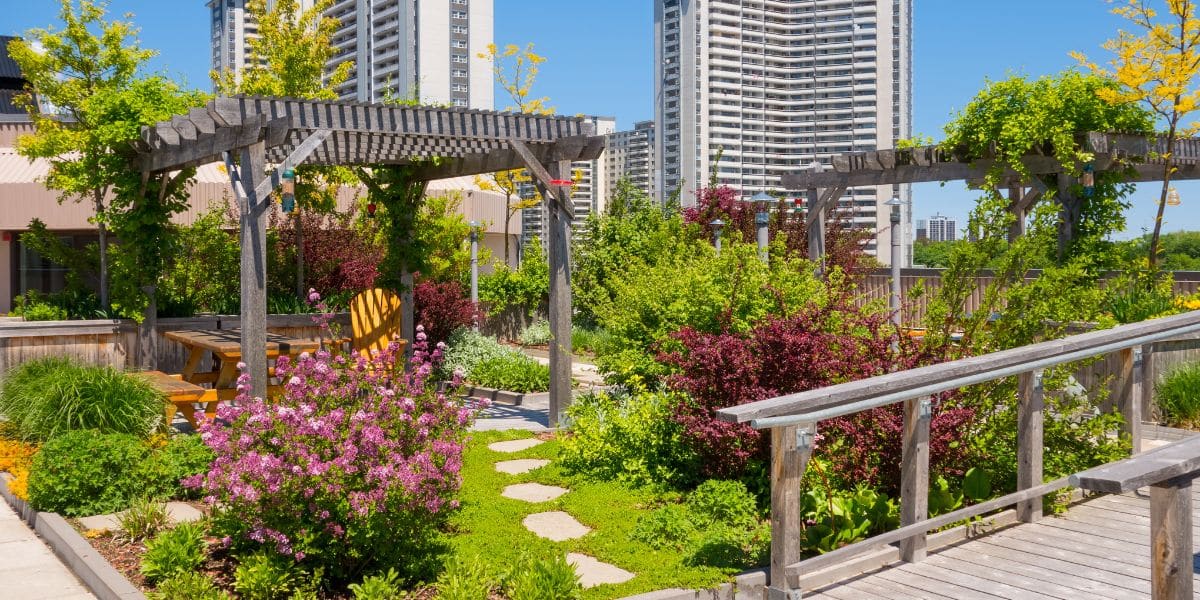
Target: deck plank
[1099, 548]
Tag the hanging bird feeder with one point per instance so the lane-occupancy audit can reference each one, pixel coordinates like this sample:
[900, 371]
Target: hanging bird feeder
[371, 210]
[1173, 197]
[1088, 180]
[288, 191]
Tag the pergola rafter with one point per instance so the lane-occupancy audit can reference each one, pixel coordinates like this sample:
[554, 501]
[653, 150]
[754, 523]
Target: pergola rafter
[1138, 157]
[437, 142]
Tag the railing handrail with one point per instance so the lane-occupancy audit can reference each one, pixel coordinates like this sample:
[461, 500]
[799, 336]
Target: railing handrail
[880, 390]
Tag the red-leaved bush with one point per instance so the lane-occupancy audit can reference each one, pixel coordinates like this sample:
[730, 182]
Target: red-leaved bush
[843, 243]
[337, 258]
[443, 307]
[817, 346]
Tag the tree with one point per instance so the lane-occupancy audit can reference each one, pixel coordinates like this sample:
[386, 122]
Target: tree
[515, 70]
[90, 72]
[287, 59]
[935, 255]
[1159, 69]
[67, 68]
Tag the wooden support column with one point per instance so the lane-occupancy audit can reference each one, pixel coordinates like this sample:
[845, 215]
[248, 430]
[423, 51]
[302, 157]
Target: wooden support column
[914, 474]
[1031, 399]
[1134, 362]
[791, 447]
[253, 238]
[560, 297]
[1171, 539]
[148, 332]
[1069, 213]
[816, 225]
[1017, 229]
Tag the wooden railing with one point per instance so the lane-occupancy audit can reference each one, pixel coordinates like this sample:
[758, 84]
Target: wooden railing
[1169, 471]
[792, 420]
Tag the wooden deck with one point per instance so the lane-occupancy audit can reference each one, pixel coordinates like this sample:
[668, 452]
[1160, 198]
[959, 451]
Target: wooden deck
[1099, 549]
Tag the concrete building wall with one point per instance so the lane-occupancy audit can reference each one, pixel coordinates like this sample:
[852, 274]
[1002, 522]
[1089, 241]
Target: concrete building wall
[760, 89]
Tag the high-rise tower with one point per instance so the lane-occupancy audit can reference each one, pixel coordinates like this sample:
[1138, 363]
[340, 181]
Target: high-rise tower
[754, 89]
[399, 47]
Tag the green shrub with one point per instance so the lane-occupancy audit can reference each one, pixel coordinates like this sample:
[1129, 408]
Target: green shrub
[465, 580]
[266, 576]
[188, 586]
[183, 456]
[174, 551]
[50, 396]
[84, 473]
[143, 520]
[379, 587]
[527, 287]
[1178, 396]
[589, 340]
[838, 518]
[513, 372]
[546, 578]
[718, 525]
[33, 307]
[537, 334]
[629, 437]
[468, 348]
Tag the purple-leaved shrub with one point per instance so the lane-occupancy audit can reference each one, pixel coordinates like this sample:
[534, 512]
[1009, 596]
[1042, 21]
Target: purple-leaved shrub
[352, 468]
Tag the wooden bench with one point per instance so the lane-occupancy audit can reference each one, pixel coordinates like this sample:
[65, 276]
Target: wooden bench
[183, 396]
[1169, 471]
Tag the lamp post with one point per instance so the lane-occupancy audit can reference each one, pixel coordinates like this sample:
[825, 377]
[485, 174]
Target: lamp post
[716, 225]
[894, 301]
[762, 219]
[475, 266]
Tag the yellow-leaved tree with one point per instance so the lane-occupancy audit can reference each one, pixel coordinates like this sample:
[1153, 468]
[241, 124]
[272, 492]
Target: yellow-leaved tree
[1158, 66]
[516, 70]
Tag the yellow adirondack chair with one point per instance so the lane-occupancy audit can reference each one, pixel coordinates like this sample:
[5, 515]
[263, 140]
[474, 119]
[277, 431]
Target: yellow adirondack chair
[375, 317]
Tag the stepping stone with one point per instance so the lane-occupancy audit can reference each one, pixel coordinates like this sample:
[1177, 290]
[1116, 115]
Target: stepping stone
[533, 492]
[177, 512]
[525, 465]
[514, 445]
[593, 572]
[555, 526]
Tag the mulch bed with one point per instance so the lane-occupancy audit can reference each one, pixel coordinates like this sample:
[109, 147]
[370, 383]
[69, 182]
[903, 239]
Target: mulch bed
[124, 557]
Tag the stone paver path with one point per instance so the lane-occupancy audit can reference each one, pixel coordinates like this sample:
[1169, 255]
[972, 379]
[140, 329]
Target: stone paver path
[524, 465]
[593, 572]
[28, 569]
[533, 492]
[178, 512]
[514, 445]
[556, 526]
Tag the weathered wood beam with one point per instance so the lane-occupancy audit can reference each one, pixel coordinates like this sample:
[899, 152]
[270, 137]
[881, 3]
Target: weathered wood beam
[914, 474]
[297, 157]
[1030, 442]
[253, 237]
[561, 215]
[560, 193]
[791, 449]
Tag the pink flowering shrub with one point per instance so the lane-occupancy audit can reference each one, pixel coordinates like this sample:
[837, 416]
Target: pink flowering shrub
[354, 467]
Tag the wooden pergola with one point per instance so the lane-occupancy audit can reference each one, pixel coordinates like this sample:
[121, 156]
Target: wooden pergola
[1133, 155]
[260, 138]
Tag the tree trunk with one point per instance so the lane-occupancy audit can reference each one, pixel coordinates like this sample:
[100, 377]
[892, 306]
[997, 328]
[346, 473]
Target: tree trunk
[103, 233]
[300, 291]
[1168, 166]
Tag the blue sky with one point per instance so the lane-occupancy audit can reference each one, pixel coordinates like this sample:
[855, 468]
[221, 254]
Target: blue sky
[600, 56]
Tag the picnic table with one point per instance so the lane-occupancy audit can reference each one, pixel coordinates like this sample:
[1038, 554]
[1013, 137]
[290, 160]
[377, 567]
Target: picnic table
[225, 345]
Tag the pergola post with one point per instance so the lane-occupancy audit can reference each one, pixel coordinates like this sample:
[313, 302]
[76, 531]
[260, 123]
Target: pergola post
[253, 238]
[1069, 214]
[816, 224]
[560, 299]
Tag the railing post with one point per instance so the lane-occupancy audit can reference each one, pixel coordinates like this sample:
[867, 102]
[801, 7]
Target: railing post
[1031, 402]
[914, 474]
[791, 448]
[1133, 363]
[1171, 539]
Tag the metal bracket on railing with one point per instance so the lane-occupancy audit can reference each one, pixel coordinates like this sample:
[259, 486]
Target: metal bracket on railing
[1137, 356]
[804, 438]
[925, 408]
[1038, 386]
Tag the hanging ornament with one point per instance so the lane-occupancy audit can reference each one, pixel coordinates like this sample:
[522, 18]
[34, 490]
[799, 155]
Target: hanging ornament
[288, 191]
[371, 210]
[1088, 180]
[1173, 197]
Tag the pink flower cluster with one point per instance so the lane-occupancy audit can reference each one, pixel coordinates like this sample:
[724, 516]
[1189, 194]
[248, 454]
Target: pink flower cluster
[353, 449]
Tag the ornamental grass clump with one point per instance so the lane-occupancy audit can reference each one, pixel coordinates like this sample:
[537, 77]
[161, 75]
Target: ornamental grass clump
[351, 470]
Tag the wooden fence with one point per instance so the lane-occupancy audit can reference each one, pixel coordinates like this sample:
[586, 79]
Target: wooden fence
[115, 343]
[877, 286]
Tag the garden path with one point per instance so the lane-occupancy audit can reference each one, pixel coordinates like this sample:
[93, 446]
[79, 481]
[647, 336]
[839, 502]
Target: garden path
[558, 525]
[28, 569]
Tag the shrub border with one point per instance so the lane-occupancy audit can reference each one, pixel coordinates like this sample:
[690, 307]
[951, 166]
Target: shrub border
[87, 564]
